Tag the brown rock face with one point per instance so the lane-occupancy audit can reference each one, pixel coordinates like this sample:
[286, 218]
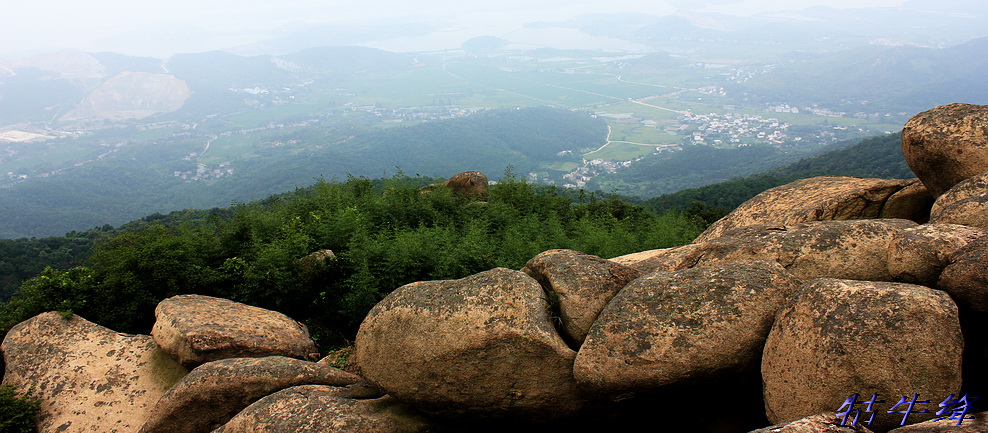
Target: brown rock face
[89, 378]
[966, 204]
[841, 337]
[818, 249]
[583, 283]
[666, 259]
[814, 199]
[966, 278]
[319, 409]
[919, 254]
[947, 144]
[978, 423]
[820, 423]
[481, 346]
[472, 184]
[671, 327]
[195, 329]
[216, 391]
[911, 203]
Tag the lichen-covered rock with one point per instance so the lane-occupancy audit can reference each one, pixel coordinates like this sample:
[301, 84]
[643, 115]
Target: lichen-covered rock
[947, 144]
[89, 378]
[194, 329]
[319, 409]
[583, 284]
[919, 254]
[913, 202]
[966, 204]
[472, 184]
[977, 423]
[966, 278]
[814, 199]
[671, 327]
[819, 423]
[854, 250]
[480, 346]
[842, 337]
[216, 391]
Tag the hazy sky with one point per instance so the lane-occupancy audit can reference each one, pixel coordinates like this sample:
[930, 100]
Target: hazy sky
[28, 26]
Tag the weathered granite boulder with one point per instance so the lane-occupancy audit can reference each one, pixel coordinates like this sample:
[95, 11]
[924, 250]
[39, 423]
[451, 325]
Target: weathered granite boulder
[856, 249]
[819, 423]
[966, 278]
[318, 409]
[918, 255]
[89, 378]
[841, 337]
[814, 199]
[471, 184]
[583, 284]
[665, 259]
[913, 202]
[195, 329]
[480, 346]
[966, 203]
[216, 391]
[673, 327]
[977, 423]
[947, 144]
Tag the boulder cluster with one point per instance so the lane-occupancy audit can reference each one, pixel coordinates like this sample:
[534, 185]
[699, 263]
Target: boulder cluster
[824, 301]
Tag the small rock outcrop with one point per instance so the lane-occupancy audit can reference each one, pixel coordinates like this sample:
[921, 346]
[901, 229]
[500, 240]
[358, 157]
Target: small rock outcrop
[670, 327]
[947, 144]
[842, 337]
[214, 392]
[195, 329]
[814, 199]
[480, 346]
[583, 283]
[470, 184]
[319, 409]
[89, 378]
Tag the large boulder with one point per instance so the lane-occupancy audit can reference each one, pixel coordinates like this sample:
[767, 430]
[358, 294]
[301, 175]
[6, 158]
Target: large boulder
[947, 144]
[89, 378]
[470, 184]
[195, 329]
[818, 249]
[966, 277]
[216, 391]
[814, 199]
[480, 346]
[966, 203]
[670, 328]
[319, 409]
[842, 337]
[582, 283]
[918, 255]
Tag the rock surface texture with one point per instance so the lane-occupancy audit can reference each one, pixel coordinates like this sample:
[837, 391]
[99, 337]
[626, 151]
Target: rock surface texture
[481, 346]
[89, 378]
[842, 337]
[195, 329]
[966, 203]
[815, 199]
[819, 423]
[582, 283]
[319, 409]
[471, 184]
[947, 144]
[214, 392]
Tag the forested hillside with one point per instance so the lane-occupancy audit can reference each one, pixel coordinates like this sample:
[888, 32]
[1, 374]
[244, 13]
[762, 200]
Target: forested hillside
[878, 157]
[382, 235]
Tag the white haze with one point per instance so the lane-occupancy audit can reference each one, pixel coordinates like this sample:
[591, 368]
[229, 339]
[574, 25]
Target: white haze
[160, 28]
